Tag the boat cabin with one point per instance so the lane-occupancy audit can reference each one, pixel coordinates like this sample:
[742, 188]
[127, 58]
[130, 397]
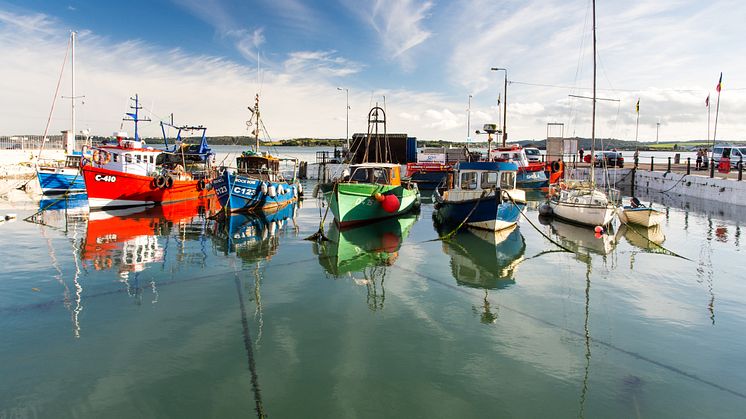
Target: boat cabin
[478, 176]
[513, 154]
[378, 173]
[127, 156]
[259, 166]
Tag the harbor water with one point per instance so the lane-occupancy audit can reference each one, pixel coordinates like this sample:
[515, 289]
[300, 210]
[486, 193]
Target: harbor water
[176, 312]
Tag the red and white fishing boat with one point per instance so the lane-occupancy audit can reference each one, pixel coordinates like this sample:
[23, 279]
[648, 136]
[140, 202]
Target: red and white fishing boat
[131, 173]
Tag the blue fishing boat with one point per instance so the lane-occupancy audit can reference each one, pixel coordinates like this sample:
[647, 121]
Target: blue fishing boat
[531, 175]
[244, 230]
[256, 183]
[481, 195]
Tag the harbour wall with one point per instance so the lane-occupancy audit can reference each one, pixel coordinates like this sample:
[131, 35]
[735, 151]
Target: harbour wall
[725, 191]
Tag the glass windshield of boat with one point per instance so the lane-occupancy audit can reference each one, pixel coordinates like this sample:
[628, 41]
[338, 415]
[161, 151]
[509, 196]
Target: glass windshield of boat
[257, 165]
[489, 180]
[507, 180]
[72, 161]
[371, 175]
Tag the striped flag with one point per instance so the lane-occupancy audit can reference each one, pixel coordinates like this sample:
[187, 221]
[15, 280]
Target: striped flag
[707, 101]
[720, 83]
[637, 107]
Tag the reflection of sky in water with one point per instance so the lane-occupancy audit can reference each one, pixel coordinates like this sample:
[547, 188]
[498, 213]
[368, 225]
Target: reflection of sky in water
[664, 335]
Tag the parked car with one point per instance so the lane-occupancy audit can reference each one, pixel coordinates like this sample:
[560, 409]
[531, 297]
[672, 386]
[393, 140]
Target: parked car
[533, 154]
[734, 153]
[607, 158]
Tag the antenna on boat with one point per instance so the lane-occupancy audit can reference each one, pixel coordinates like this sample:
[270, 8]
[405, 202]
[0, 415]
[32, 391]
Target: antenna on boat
[135, 116]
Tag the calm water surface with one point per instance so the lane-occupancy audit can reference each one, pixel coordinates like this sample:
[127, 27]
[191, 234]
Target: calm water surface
[167, 312]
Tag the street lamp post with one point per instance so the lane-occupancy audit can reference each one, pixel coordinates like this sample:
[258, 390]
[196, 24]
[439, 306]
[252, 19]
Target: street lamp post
[468, 120]
[347, 93]
[505, 106]
[657, 128]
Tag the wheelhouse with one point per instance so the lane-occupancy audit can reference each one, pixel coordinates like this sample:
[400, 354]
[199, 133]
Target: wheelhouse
[478, 176]
[378, 173]
[258, 166]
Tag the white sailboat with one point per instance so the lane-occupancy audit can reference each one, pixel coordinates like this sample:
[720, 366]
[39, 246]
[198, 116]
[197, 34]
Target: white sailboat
[582, 202]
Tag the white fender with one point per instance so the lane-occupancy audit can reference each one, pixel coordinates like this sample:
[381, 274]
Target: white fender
[272, 192]
[264, 188]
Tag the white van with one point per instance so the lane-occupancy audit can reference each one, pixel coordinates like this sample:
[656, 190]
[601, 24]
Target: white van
[735, 153]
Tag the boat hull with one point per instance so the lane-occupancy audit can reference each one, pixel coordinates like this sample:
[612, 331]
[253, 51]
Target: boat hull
[646, 217]
[55, 180]
[483, 212]
[238, 193]
[112, 189]
[531, 179]
[354, 203]
[580, 213]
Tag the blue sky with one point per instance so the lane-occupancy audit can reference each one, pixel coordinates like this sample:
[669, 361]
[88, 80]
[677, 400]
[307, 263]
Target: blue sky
[197, 59]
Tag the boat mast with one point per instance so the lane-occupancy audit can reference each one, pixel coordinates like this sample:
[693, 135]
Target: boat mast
[72, 96]
[135, 116]
[256, 130]
[593, 117]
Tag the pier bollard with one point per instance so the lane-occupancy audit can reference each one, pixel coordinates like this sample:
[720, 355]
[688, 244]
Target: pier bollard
[669, 165]
[740, 169]
[688, 165]
[712, 168]
[652, 165]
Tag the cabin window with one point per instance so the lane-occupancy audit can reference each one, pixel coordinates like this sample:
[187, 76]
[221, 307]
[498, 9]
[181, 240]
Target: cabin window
[115, 157]
[507, 180]
[360, 175]
[469, 180]
[380, 176]
[128, 157]
[489, 180]
[151, 158]
[138, 158]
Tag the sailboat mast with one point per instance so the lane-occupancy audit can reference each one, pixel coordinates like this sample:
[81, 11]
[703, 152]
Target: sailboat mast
[593, 116]
[256, 114]
[72, 96]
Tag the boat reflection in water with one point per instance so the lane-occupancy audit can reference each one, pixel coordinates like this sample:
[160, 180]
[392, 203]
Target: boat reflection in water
[486, 260]
[366, 250]
[252, 236]
[645, 238]
[580, 239]
[128, 239]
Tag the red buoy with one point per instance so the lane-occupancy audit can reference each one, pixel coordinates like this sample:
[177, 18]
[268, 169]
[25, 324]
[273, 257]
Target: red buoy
[390, 203]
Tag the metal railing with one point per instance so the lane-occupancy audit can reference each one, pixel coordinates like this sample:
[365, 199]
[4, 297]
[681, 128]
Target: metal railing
[33, 142]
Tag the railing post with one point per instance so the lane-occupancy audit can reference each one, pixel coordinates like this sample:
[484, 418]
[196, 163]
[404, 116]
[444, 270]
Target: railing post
[669, 164]
[652, 165]
[688, 165]
[740, 169]
[712, 167]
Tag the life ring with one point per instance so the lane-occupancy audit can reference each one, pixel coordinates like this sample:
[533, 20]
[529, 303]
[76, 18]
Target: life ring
[109, 262]
[556, 166]
[169, 181]
[96, 155]
[201, 184]
[107, 157]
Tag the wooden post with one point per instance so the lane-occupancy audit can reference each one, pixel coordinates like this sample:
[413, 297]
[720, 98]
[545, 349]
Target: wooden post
[712, 167]
[652, 165]
[740, 169]
[688, 165]
[669, 165]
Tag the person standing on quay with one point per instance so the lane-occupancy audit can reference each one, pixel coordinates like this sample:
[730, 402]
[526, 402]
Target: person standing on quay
[580, 152]
[699, 159]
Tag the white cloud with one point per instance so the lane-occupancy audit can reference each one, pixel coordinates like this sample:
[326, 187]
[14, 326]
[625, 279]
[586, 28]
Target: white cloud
[323, 63]
[399, 24]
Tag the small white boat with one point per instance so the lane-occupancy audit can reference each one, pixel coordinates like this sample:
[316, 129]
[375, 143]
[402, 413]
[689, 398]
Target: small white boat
[639, 214]
[583, 205]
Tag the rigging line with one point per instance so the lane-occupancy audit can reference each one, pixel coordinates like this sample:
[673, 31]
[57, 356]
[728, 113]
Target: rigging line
[54, 99]
[249, 350]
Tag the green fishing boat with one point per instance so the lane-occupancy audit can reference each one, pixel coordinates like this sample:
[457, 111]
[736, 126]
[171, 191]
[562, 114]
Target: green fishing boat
[371, 190]
[374, 191]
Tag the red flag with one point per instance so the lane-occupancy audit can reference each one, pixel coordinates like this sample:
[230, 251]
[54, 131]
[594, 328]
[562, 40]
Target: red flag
[707, 101]
[720, 83]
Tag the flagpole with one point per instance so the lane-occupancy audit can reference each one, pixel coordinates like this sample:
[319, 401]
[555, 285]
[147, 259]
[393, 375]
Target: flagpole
[717, 111]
